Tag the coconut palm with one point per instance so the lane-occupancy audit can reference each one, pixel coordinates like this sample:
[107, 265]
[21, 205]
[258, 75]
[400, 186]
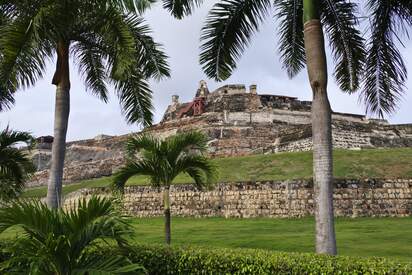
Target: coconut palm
[386, 73]
[15, 165]
[53, 241]
[228, 30]
[107, 39]
[163, 160]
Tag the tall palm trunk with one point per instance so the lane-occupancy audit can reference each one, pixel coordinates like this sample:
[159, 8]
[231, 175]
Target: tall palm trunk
[166, 205]
[61, 118]
[321, 129]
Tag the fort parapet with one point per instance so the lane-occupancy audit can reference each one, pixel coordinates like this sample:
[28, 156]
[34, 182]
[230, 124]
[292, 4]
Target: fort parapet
[237, 121]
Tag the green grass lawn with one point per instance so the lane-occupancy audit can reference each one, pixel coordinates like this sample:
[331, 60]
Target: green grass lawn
[373, 163]
[383, 237]
[363, 237]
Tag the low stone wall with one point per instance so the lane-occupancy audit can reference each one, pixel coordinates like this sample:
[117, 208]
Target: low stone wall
[352, 198]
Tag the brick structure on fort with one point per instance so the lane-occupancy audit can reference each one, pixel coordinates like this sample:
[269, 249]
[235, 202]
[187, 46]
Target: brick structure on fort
[237, 121]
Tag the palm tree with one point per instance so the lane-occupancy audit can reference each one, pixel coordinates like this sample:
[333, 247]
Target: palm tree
[163, 160]
[57, 242]
[229, 29]
[107, 39]
[15, 165]
[386, 73]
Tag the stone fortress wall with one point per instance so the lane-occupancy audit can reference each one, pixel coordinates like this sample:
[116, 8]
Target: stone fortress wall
[237, 121]
[294, 198]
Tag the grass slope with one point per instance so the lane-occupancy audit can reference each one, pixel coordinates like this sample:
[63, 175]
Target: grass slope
[373, 163]
[363, 237]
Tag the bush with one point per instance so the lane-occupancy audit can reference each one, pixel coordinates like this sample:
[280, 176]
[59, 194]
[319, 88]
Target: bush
[178, 260]
[164, 260]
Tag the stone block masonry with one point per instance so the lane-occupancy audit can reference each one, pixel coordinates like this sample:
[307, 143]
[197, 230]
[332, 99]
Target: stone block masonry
[280, 199]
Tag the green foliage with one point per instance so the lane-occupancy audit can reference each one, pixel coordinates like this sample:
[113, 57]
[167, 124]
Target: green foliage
[15, 165]
[385, 70]
[163, 160]
[165, 260]
[159, 259]
[57, 242]
[108, 40]
[181, 8]
[231, 24]
[227, 32]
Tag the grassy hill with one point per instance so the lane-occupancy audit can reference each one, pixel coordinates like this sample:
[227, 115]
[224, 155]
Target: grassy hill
[373, 163]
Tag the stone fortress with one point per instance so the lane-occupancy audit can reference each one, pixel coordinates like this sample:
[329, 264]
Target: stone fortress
[237, 121]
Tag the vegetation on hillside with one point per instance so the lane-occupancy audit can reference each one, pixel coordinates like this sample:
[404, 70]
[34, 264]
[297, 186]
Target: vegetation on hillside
[371, 163]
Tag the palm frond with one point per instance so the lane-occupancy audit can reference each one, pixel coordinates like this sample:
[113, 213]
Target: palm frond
[106, 264]
[346, 41]
[163, 160]
[132, 6]
[116, 31]
[291, 45]
[181, 8]
[141, 142]
[149, 55]
[135, 99]
[25, 43]
[9, 137]
[32, 216]
[184, 143]
[15, 164]
[199, 168]
[56, 242]
[23, 61]
[227, 32]
[385, 70]
[92, 68]
[132, 168]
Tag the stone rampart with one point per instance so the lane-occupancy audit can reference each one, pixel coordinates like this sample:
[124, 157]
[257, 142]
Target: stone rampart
[285, 199]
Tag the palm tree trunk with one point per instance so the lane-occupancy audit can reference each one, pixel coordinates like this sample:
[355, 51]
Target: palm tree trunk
[166, 205]
[61, 118]
[321, 129]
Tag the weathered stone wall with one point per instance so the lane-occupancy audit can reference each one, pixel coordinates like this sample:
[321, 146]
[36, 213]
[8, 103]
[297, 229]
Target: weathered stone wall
[352, 198]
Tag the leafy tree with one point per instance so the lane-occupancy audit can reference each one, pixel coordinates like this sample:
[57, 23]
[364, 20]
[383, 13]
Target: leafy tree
[229, 29]
[163, 160]
[57, 242]
[15, 165]
[107, 39]
[385, 72]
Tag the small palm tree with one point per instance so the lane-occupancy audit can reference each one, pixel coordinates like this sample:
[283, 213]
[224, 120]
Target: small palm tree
[386, 73]
[15, 165]
[108, 40]
[163, 160]
[59, 242]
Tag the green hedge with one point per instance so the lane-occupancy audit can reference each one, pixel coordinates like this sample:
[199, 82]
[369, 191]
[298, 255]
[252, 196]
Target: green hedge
[179, 260]
[163, 260]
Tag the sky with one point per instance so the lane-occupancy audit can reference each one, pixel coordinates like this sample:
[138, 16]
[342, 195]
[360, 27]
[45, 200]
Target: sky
[89, 117]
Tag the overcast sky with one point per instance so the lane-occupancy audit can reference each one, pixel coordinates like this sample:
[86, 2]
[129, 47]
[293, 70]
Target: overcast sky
[34, 109]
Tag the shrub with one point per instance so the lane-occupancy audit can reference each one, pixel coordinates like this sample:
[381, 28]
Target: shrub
[164, 260]
[180, 260]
